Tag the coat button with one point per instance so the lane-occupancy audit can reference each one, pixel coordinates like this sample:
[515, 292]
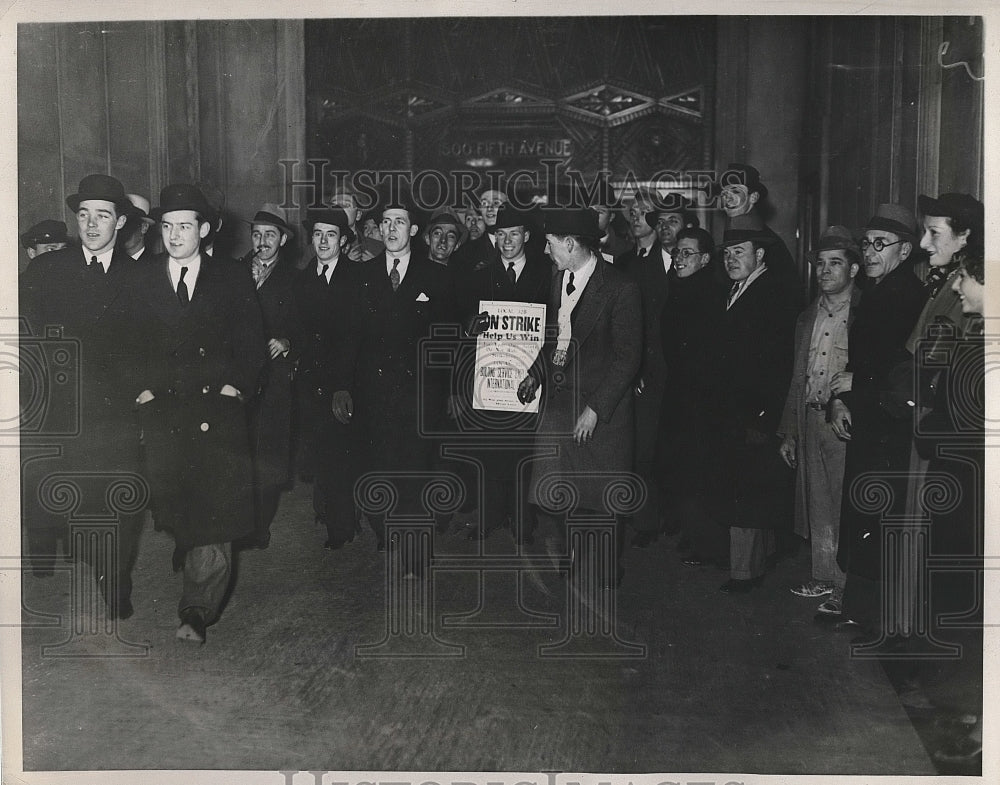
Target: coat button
[205, 389]
[201, 351]
[204, 427]
[171, 391]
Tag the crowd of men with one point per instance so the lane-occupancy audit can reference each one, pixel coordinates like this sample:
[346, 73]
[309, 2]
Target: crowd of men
[670, 356]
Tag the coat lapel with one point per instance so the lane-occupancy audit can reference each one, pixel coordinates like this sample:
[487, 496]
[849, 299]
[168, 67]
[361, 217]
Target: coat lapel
[588, 309]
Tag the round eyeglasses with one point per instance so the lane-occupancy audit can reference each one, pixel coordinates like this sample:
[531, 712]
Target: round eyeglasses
[878, 244]
[684, 253]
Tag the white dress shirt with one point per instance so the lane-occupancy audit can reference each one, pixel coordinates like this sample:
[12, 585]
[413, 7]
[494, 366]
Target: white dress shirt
[568, 301]
[190, 277]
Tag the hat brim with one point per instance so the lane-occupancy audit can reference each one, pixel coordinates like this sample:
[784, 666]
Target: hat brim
[763, 240]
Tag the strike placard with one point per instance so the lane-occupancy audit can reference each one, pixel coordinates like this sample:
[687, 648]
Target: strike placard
[505, 352]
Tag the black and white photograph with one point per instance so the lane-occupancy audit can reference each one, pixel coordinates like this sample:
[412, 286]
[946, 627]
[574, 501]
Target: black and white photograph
[467, 394]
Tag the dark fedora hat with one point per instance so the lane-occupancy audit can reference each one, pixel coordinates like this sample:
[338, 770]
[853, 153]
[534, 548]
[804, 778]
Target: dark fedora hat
[579, 222]
[47, 231]
[509, 217]
[102, 187]
[445, 217]
[677, 205]
[964, 208]
[896, 219]
[183, 196]
[334, 216]
[268, 214]
[836, 238]
[732, 237]
[741, 174]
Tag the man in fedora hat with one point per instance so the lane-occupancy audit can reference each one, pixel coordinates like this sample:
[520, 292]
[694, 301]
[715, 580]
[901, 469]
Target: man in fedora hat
[271, 413]
[586, 367]
[809, 445]
[44, 236]
[326, 293]
[445, 233]
[653, 275]
[741, 194]
[876, 440]
[79, 290]
[198, 347]
[754, 364]
[132, 237]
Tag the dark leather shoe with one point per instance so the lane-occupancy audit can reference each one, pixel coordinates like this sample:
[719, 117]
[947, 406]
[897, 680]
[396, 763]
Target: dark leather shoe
[643, 539]
[192, 626]
[740, 586]
[333, 545]
[124, 610]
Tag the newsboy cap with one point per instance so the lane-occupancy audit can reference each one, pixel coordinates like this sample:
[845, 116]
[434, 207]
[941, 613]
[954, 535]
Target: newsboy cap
[47, 231]
[445, 217]
[102, 187]
[896, 219]
[836, 238]
[183, 196]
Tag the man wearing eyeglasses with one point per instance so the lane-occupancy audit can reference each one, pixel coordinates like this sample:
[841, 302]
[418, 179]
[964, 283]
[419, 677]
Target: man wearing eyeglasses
[653, 275]
[876, 442]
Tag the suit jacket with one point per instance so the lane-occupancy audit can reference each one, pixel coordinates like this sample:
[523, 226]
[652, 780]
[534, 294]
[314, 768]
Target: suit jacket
[196, 439]
[601, 364]
[630, 259]
[326, 314]
[393, 389]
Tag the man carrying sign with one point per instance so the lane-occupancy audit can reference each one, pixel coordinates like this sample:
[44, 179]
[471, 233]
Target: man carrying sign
[514, 275]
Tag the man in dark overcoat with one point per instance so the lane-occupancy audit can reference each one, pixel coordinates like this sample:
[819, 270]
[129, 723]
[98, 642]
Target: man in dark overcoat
[877, 441]
[401, 296]
[326, 294]
[586, 367]
[754, 365]
[197, 352]
[271, 413]
[78, 289]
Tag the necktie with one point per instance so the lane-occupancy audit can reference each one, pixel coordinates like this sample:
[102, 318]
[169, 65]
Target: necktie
[732, 293]
[182, 288]
[95, 267]
[570, 288]
[394, 275]
[642, 253]
[511, 274]
[322, 273]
